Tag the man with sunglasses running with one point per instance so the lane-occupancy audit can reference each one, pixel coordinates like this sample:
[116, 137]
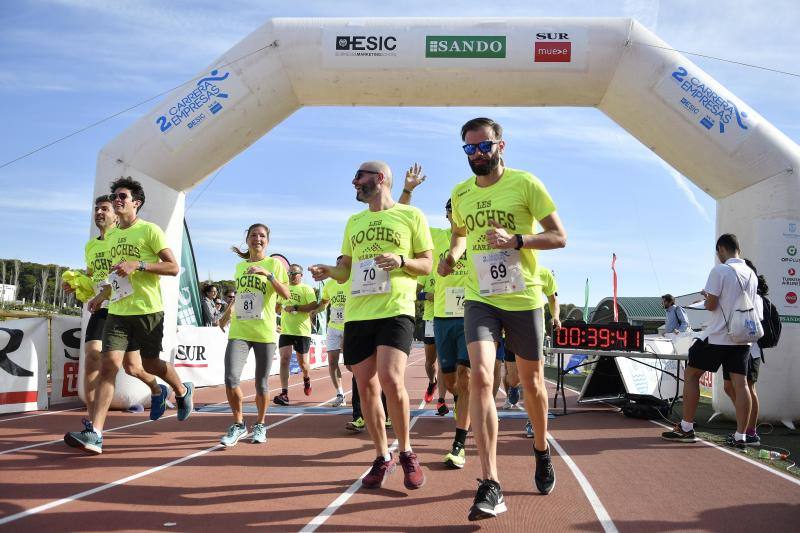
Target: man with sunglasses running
[139, 255]
[385, 248]
[295, 331]
[495, 213]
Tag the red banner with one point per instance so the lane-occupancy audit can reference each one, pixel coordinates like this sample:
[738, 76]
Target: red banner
[614, 270]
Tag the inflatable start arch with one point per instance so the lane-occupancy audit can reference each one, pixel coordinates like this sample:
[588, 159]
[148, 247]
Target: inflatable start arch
[615, 65]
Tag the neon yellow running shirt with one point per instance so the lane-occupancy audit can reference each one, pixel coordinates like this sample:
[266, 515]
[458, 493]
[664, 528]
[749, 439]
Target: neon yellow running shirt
[255, 302]
[297, 323]
[336, 293]
[140, 242]
[502, 278]
[401, 229]
[449, 289]
[428, 283]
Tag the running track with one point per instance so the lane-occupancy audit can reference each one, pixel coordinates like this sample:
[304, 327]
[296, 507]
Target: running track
[614, 474]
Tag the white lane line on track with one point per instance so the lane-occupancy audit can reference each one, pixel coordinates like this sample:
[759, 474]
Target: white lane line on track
[123, 481]
[41, 414]
[594, 500]
[737, 455]
[39, 444]
[334, 506]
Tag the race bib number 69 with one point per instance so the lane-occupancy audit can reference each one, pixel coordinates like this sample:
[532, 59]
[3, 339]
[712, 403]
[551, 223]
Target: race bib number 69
[499, 272]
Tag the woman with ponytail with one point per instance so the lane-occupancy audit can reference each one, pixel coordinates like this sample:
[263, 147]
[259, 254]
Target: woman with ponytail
[260, 280]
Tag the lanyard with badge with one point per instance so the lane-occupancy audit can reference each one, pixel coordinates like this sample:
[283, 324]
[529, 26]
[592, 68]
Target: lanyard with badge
[499, 272]
[369, 279]
[249, 306]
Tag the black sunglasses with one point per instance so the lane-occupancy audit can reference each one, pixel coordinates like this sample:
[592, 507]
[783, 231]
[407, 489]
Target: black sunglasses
[484, 146]
[295, 273]
[121, 195]
[361, 173]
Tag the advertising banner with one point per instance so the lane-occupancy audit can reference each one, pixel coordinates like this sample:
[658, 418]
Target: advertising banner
[23, 365]
[65, 351]
[780, 265]
[189, 311]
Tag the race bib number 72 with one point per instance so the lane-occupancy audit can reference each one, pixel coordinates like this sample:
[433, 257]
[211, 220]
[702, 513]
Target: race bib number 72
[120, 286]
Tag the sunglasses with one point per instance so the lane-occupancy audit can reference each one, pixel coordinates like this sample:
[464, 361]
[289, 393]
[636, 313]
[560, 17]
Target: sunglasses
[484, 146]
[362, 173]
[295, 273]
[121, 195]
[229, 296]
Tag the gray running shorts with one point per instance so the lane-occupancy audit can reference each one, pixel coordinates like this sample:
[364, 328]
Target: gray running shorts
[524, 330]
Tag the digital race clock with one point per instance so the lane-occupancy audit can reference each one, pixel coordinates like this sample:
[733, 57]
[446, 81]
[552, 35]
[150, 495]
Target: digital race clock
[615, 336]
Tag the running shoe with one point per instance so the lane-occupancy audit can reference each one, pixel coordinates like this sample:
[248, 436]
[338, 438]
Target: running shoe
[507, 405]
[456, 458]
[388, 423]
[281, 399]
[513, 395]
[545, 476]
[429, 392]
[731, 441]
[679, 435]
[259, 433]
[378, 473]
[356, 426]
[307, 386]
[339, 401]
[413, 477]
[87, 440]
[529, 429]
[185, 402]
[752, 440]
[442, 409]
[489, 501]
[235, 432]
[158, 403]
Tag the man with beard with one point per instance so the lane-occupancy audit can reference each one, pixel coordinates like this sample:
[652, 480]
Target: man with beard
[385, 248]
[495, 213]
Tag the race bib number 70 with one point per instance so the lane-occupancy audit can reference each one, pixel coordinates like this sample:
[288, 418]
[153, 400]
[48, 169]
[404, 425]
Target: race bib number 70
[369, 279]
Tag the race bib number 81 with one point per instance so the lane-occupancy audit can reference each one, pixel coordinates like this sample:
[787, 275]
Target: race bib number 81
[499, 272]
[369, 279]
[249, 306]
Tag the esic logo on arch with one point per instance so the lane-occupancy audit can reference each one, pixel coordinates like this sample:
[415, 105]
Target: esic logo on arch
[552, 47]
[366, 45]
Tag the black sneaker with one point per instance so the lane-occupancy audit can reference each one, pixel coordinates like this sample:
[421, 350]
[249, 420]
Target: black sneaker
[752, 440]
[731, 441]
[489, 501]
[545, 476]
[679, 435]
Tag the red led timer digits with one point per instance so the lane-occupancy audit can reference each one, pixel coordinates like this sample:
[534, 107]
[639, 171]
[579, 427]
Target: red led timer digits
[623, 337]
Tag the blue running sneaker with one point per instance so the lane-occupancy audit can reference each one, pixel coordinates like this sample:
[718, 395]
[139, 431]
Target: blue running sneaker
[235, 432]
[158, 404]
[513, 395]
[529, 429]
[185, 403]
[87, 440]
[259, 433]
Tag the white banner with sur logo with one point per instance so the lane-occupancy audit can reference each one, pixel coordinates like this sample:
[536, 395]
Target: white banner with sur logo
[65, 353]
[200, 356]
[23, 365]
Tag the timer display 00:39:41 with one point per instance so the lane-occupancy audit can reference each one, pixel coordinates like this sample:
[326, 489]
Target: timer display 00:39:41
[616, 336]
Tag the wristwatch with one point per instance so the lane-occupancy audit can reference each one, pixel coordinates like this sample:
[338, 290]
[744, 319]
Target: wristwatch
[402, 261]
[519, 241]
[141, 266]
[270, 276]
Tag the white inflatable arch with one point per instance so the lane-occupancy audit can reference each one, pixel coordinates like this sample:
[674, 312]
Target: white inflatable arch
[616, 65]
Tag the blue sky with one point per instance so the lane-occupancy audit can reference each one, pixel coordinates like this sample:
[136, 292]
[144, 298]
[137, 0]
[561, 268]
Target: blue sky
[65, 64]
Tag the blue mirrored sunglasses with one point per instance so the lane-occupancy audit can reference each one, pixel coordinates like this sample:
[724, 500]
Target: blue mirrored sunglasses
[484, 146]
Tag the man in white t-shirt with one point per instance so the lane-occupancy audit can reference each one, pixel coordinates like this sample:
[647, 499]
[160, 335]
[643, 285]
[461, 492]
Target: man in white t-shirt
[721, 292]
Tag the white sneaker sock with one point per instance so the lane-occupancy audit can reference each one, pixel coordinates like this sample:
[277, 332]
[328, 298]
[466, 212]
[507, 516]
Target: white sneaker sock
[738, 436]
[387, 456]
[687, 426]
